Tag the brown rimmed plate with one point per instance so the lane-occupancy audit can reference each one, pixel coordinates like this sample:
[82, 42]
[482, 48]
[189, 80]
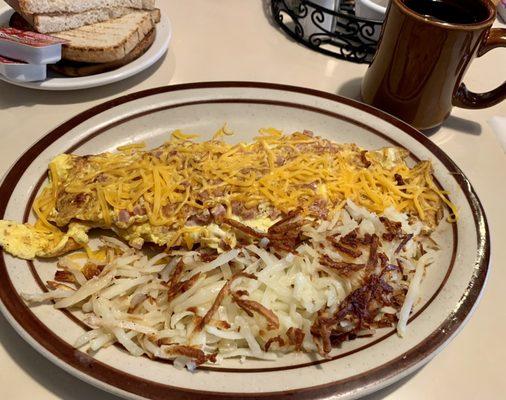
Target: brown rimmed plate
[450, 290]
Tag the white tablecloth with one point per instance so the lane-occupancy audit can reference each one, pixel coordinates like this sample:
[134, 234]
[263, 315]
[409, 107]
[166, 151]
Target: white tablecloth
[234, 40]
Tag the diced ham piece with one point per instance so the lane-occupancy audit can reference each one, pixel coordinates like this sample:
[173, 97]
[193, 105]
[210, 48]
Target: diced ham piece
[123, 216]
[218, 211]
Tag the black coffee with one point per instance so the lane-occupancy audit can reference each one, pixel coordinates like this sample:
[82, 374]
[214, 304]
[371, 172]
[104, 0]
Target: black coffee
[452, 11]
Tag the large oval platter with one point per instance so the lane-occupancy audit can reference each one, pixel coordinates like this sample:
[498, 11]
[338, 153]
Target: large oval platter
[450, 289]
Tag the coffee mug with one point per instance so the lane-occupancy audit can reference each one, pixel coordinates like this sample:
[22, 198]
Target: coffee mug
[426, 47]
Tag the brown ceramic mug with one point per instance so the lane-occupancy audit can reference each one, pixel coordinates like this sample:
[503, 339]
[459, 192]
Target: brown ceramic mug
[418, 68]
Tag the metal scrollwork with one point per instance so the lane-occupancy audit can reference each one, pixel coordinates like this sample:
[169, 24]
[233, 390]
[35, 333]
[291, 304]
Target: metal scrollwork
[338, 33]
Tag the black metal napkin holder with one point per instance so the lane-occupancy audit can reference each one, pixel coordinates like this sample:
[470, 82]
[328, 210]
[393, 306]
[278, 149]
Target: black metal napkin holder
[340, 33]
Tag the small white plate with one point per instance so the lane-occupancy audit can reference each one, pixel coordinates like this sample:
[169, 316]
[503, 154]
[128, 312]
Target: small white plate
[449, 292]
[59, 82]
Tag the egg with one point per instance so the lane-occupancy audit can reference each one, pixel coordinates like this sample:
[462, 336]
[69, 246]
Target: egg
[21, 240]
[27, 242]
[261, 224]
[181, 193]
[62, 164]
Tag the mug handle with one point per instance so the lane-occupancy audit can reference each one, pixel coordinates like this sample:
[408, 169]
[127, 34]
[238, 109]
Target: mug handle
[464, 98]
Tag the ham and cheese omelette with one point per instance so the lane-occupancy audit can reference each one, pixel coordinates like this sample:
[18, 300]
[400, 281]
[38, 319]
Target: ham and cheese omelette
[185, 192]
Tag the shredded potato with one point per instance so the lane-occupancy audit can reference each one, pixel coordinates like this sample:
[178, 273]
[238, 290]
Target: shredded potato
[196, 307]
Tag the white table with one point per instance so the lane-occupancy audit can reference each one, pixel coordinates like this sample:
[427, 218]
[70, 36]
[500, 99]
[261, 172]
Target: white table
[234, 40]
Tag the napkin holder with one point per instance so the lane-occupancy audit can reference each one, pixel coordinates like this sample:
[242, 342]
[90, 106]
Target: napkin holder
[336, 31]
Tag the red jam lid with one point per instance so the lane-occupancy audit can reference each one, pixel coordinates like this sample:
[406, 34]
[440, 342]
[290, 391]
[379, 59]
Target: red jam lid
[28, 38]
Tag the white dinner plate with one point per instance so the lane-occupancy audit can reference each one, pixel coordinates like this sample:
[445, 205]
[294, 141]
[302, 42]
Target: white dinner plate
[58, 82]
[449, 292]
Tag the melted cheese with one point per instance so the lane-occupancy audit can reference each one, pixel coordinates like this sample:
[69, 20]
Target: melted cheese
[281, 172]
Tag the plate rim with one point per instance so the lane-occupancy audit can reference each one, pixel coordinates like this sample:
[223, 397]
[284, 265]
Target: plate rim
[352, 386]
[60, 84]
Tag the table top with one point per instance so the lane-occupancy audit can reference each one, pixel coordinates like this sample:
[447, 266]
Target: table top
[232, 40]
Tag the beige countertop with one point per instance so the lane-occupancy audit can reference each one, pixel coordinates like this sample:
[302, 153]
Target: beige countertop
[233, 40]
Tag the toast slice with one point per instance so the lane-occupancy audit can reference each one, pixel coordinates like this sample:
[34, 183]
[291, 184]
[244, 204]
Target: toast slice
[107, 41]
[103, 42]
[77, 69]
[75, 6]
[57, 22]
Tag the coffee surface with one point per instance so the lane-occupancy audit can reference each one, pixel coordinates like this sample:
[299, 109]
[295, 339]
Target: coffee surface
[451, 11]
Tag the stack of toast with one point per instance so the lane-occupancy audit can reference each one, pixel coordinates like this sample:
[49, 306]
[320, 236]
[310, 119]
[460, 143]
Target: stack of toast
[101, 35]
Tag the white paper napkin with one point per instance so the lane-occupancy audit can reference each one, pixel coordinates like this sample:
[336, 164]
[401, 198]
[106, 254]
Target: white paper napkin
[498, 125]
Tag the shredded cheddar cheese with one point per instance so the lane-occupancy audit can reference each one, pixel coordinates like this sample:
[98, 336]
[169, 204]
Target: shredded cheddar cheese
[170, 185]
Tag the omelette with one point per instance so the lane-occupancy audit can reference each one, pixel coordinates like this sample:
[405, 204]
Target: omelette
[178, 195]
